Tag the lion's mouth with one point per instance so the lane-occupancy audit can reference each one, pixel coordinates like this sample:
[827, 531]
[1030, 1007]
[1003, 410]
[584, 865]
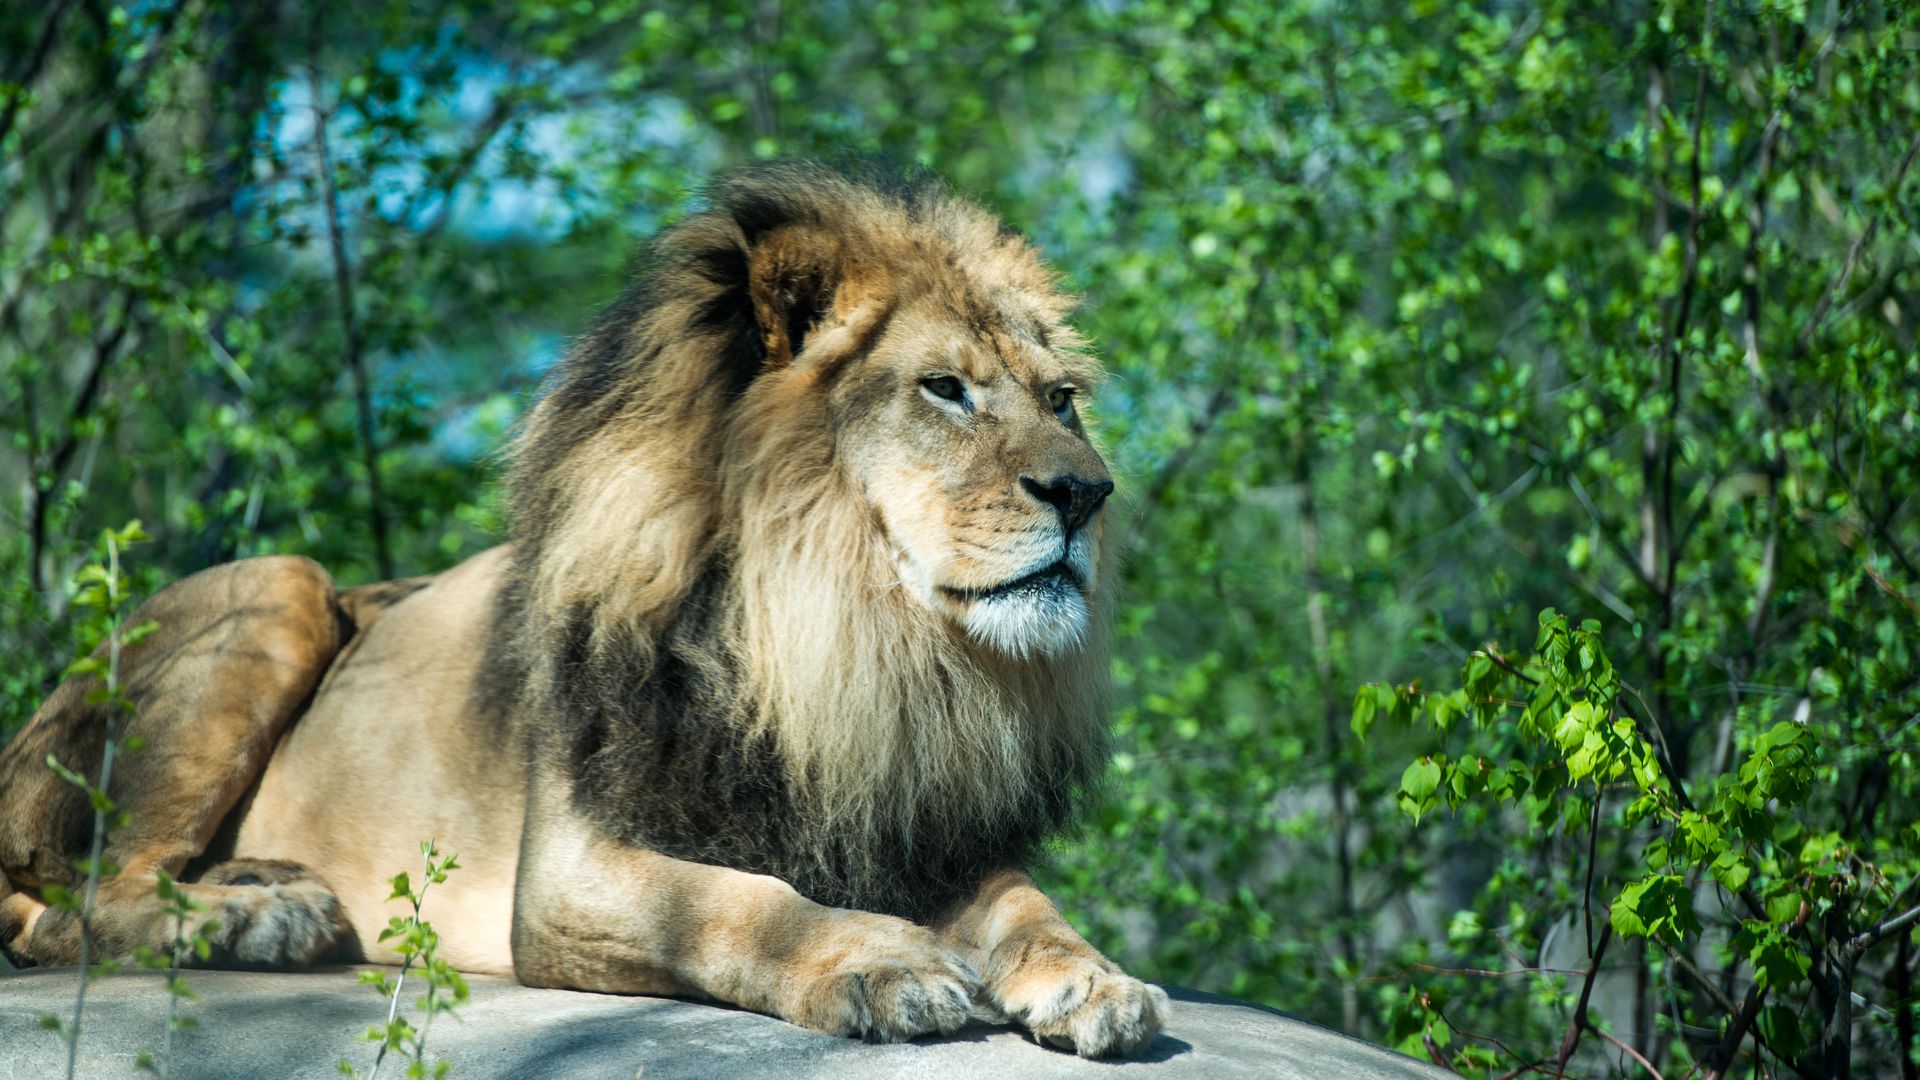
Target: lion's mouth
[1053, 579]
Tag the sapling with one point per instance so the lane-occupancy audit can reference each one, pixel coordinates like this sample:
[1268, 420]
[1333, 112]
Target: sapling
[101, 590]
[176, 903]
[418, 946]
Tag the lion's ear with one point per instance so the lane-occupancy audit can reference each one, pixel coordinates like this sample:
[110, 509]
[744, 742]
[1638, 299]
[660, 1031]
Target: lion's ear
[800, 279]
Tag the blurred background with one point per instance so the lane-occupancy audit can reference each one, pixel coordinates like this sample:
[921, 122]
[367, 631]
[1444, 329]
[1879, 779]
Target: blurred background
[1423, 317]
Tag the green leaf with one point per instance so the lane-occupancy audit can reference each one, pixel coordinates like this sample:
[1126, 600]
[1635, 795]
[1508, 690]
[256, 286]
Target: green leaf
[1363, 711]
[1777, 963]
[1417, 786]
[1659, 905]
[1780, 1026]
[1731, 870]
[1783, 907]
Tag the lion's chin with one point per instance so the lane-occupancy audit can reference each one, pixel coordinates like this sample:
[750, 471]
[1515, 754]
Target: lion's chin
[1043, 621]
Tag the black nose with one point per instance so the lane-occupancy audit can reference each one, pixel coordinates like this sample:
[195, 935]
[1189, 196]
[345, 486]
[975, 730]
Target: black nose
[1073, 499]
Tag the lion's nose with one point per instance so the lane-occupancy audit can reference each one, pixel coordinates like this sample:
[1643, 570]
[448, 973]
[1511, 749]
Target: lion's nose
[1074, 499]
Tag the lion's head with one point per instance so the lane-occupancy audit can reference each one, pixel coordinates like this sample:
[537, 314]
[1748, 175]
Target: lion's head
[821, 476]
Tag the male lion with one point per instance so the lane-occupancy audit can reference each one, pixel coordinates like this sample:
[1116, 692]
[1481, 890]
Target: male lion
[795, 654]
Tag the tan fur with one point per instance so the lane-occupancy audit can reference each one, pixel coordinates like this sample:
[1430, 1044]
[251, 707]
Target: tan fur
[869, 528]
[244, 645]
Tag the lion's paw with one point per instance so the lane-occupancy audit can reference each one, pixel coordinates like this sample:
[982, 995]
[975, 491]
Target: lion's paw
[272, 915]
[894, 984]
[1073, 998]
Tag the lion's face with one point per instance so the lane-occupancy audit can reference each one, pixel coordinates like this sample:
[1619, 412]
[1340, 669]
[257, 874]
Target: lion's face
[966, 438]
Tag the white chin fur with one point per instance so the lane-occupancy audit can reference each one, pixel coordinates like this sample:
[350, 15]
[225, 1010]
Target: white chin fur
[1043, 622]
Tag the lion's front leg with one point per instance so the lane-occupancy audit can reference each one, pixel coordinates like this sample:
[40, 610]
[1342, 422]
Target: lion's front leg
[1041, 973]
[591, 913]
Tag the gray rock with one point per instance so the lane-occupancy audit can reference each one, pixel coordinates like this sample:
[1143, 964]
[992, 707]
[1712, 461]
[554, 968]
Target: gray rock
[255, 1024]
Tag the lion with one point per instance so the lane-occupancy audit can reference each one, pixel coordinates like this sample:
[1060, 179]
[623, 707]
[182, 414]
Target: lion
[793, 657]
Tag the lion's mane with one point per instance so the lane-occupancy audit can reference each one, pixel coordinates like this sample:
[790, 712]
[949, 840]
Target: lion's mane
[704, 624]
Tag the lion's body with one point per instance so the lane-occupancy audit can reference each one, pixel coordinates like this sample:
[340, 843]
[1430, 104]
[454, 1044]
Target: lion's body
[399, 697]
[795, 655]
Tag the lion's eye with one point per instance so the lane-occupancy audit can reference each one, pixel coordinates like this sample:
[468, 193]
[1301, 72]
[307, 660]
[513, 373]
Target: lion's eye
[945, 387]
[1061, 399]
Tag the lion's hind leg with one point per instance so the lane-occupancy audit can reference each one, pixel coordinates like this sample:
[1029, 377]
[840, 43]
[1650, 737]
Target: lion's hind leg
[238, 651]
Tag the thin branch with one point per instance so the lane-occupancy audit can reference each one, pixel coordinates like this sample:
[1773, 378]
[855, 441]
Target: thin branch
[1580, 1023]
[105, 350]
[1682, 321]
[1177, 462]
[1332, 731]
[1872, 936]
[1632, 1053]
[1886, 586]
[1478, 973]
[1610, 536]
[1723, 1055]
[456, 174]
[349, 326]
[1490, 1039]
[158, 46]
[1493, 653]
[1593, 856]
[1839, 283]
[35, 62]
[1657, 738]
[1539, 1066]
[1482, 512]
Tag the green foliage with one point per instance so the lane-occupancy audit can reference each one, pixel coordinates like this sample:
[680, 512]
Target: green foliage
[183, 943]
[101, 591]
[418, 945]
[1423, 318]
[1574, 760]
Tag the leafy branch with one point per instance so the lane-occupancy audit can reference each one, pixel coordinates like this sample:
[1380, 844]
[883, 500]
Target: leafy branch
[1573, 737]
[102, 589]
[419, 946]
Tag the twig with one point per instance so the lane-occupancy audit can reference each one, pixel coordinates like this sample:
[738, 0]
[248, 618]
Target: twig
[349, 327]
[1723, 1054]
[97, 852]
[1661, 756]
[1839, 282]
[1163, 480]
[1887, 587]
[1482, 973]
[105, 350]
[1609, 535]
[1538, 1066]
[484, 133]
[1631, 1052]
[35, 62]
[1593, 856]
[1580, 1023]
[1332, 731]
[1482, 511]
[1503, 1047]
[1493, 653]
[1874, 935]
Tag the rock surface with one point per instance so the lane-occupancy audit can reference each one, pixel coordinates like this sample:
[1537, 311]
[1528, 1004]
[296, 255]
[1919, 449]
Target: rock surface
[255, 1025]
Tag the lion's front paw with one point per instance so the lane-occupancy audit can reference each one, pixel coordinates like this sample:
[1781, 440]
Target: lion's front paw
[1073, 998]
[895, 982]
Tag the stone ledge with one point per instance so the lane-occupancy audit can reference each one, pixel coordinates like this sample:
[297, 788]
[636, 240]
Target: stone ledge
[255, 1024]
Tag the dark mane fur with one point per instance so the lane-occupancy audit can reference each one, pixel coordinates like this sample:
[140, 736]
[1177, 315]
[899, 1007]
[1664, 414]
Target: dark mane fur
[647, 703]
